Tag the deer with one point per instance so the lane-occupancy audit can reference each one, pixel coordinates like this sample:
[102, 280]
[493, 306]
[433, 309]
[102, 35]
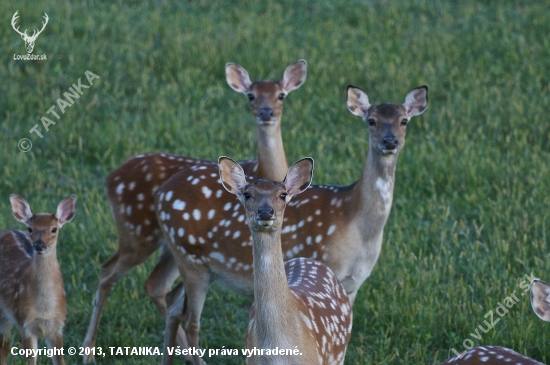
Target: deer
[299, 304]
[130, 189]
[32, 294]
[497, 355]
[29, 40]
[341, 227]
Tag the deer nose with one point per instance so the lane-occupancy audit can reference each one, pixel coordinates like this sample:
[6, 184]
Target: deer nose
[265, 213]
[266, 114]
[390, 142]
[39, 246]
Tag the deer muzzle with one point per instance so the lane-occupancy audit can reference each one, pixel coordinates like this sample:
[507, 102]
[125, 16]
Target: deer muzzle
[39, 247]
[265, 215]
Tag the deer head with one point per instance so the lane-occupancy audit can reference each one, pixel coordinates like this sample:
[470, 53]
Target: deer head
[29, 40]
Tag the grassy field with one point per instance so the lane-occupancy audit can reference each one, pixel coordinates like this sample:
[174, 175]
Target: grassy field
[471, 203]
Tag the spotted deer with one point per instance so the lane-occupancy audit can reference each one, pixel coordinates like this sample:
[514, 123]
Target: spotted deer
[32, 296]
[299, 304]
[339, 226]
[496, 355]
[130, 190]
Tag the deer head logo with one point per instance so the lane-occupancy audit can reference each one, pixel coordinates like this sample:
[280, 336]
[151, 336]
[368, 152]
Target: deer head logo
[29, 40]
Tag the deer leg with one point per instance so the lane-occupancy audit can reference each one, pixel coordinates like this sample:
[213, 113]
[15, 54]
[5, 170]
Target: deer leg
[175, 300]
[5, 328]
[30, 342]
[111, 271]
[56, 342]
[158, 285]
[197, 281]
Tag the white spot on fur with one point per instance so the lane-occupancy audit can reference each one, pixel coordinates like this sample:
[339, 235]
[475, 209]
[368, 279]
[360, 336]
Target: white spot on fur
[120, 188]
[178, 205]
[217, 256]
[206, 191]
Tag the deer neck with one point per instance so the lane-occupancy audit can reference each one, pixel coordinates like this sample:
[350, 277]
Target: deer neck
[272, 162]
[45, 270]
[271, 292]
[373, 192]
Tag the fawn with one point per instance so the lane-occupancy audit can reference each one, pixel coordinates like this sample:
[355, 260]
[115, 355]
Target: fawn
[299, 304]
[32, 295]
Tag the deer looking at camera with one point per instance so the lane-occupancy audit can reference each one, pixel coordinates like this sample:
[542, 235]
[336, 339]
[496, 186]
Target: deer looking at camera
[130, 190]
[32, 295]
[299, 304]
[496, 355]
[340, 226]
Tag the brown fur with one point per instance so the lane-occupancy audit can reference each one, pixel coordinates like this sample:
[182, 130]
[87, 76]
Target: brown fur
[130, 190]
[490, 355]
[339, 226]
[300, 304]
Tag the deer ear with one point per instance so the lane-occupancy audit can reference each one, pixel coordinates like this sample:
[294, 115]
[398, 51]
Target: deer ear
[416, 101]
[294, 76]
[540, 299]
[237, 78]
[299, 176]
[66, 210]
[357, 101]
[232, 175]
[21, 209]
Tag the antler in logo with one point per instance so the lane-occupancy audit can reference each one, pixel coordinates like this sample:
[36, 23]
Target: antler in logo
[29, 40]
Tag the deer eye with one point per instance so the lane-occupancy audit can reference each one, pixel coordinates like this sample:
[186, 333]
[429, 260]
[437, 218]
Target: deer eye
[284, 195]
[29, 229]
[281, 96]
[250, 96]
[247, 196]
[404, 122]
[54, 230]
[371, 121]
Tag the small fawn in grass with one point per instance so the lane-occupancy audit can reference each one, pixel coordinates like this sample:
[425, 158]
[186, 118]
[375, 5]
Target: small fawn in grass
[299, 305]
[32, 295]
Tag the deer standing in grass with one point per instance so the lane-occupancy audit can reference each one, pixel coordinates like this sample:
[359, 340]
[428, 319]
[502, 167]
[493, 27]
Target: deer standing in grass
[130, 190]
[299, 304]
[31, 287]
[339, 226]
[496, 355]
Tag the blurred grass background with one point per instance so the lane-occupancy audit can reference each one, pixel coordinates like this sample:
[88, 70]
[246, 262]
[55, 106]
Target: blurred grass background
[470, 211]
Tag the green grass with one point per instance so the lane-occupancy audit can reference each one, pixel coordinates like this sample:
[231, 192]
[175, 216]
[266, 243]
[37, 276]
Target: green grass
[471, 203]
